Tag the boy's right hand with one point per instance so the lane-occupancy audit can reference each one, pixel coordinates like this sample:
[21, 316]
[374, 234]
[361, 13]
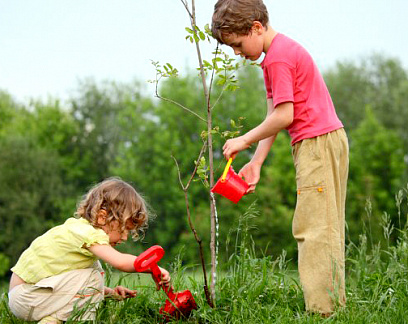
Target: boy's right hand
[251, 173]
[234, 146]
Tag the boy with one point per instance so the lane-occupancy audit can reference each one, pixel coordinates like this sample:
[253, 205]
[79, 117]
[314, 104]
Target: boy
[297, 100]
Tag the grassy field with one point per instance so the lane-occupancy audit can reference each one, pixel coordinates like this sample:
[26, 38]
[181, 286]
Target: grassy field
[265, 290]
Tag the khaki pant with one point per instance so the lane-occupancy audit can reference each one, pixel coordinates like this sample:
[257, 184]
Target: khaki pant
[319, 222]
[79, 291]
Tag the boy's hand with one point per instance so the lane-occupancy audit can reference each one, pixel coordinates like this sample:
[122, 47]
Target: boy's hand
[233, 146]
[165, 279]
[251, 173]
[120, 292]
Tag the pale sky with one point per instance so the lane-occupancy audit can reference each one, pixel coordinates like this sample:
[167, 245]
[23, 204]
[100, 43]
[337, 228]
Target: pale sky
[47, 46]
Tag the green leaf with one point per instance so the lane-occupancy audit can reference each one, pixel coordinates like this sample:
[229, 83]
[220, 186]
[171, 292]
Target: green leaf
[202, 35]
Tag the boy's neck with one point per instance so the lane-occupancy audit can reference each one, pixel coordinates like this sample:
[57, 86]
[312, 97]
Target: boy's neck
[269, 35]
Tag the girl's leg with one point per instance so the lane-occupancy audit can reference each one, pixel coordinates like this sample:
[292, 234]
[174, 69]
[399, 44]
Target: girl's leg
[56, 296]
[84, 304]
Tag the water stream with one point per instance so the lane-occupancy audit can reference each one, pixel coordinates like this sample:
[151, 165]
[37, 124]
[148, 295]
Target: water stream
[214, 274]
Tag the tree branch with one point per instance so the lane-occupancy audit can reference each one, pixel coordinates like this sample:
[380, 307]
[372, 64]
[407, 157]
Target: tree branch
[185, 4]
[212, 75]
[190, 223]
[176, 103]
[204, 147]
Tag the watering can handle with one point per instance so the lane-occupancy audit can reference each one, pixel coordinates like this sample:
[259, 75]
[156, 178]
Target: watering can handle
[148, 258]
[224, 174]
[148, 261]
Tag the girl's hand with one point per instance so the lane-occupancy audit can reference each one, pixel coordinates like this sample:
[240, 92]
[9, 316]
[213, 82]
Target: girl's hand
[165, 279]
[120, 292]
[233, 146]
[124, 292]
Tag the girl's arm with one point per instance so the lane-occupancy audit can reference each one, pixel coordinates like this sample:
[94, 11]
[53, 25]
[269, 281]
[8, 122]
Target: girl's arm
[122, 261]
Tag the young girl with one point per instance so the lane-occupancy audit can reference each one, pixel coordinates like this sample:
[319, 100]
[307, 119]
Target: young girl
[60, 270]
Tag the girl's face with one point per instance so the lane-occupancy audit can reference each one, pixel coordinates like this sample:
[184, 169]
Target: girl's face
[116, 234]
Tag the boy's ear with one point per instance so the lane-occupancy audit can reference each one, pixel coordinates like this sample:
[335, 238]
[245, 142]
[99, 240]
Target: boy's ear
[257, 27]
[101, 217]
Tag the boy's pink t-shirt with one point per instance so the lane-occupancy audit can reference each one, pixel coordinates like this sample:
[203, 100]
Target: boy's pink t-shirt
[291, 76]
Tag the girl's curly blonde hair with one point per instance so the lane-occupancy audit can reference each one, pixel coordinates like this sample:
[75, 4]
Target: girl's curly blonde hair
[121, 202]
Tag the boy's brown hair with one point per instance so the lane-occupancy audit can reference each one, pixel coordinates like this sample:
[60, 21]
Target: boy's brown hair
[237, 17]
[121, 202]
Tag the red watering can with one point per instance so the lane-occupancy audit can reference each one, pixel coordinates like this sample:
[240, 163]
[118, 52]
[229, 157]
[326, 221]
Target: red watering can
[179, 303]
[230, 185]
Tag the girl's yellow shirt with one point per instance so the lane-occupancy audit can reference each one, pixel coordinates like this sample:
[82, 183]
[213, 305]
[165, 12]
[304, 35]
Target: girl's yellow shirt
[62, 248]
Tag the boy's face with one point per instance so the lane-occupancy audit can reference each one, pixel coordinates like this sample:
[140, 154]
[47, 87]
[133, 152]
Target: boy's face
[249, 46]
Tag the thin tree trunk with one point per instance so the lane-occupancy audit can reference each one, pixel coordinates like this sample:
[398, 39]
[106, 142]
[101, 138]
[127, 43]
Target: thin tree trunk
[210, 151]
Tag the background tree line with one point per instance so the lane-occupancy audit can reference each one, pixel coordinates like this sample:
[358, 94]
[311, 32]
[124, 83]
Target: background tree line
[50, 154]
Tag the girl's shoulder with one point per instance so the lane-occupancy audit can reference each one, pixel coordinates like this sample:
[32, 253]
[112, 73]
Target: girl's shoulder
[75, 230]
[79, 226]
[81, 229]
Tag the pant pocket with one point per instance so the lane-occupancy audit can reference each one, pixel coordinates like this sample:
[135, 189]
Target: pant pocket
[310, 212]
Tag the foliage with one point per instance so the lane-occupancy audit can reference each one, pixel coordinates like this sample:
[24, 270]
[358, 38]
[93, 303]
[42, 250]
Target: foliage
[50, 154]
[378, 81]
[95, 110]
[264, 290]
[277, 199]
[376, 170]
[4, 264]
[8, 110]
[30, 193]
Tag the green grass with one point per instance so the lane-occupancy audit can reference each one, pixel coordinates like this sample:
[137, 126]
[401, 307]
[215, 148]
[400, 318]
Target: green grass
[265, 290]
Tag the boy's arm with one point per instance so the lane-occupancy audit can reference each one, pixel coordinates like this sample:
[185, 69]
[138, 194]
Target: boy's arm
[280, 118]
[252, 170]
[265, 144]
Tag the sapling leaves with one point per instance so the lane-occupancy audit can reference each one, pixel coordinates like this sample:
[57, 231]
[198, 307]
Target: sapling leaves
[202, 171]
[197, 35]
[236, 130]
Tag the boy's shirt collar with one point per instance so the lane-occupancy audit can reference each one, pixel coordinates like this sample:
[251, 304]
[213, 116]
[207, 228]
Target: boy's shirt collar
[269, 49]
